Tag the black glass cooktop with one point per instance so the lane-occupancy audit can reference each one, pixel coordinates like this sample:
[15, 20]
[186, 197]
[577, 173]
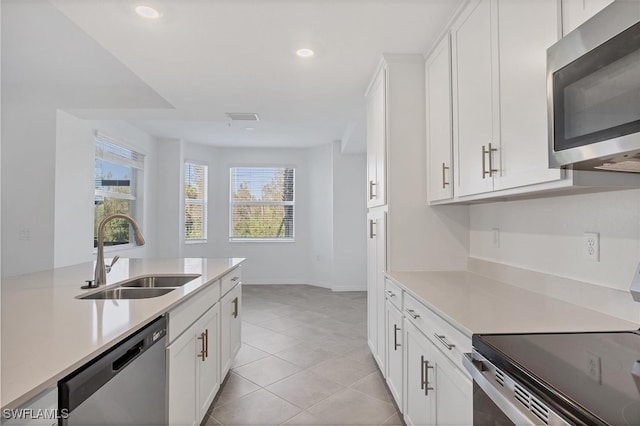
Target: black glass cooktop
[589, 378]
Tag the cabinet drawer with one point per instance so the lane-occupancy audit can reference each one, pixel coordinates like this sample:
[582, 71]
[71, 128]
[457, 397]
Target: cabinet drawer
[393, 293]
[188, 312]
[230, 280]
[451, 342]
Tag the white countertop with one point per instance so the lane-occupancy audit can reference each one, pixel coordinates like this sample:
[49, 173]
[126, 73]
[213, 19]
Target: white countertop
[47, 332]
[476, 304]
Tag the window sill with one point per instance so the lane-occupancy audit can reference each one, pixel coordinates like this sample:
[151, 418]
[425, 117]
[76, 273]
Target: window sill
[111, 249]
[189, 242]
[262, 240]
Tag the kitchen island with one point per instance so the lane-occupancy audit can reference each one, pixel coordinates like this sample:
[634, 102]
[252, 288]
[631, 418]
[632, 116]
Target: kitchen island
[47, 332]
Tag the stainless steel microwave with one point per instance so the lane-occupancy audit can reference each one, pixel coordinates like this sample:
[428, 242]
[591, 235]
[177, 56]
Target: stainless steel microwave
[593, 92]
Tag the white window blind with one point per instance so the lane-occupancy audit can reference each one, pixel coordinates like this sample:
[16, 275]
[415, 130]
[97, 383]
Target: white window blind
[117, 170]
[262, 201]
[195, 202]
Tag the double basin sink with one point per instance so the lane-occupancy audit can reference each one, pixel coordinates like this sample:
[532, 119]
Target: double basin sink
[142, 287]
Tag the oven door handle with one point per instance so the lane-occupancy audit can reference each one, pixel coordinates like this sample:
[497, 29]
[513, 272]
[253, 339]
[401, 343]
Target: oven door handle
[500, 397]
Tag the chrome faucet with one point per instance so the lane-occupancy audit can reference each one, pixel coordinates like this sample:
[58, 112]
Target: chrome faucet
[101, 269]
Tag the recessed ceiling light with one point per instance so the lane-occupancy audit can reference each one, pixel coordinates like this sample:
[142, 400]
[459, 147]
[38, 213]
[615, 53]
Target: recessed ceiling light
[304, 53]
[250, 129]
[147, 12]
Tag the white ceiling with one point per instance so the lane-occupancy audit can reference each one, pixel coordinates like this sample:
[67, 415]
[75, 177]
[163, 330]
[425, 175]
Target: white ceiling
[208, 57]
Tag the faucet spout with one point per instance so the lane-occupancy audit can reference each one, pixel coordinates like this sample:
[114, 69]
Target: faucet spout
[101, 272]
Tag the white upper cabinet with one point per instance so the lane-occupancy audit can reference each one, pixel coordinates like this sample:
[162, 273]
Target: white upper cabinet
[525, 30]
[499, 94]
[475, 118]
[575, 12]
[376, 140]
[439, 135]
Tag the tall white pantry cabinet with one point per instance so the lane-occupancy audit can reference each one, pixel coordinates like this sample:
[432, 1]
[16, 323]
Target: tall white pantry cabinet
[403, 231]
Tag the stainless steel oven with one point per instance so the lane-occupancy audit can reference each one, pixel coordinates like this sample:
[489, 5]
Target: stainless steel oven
[593, 81]
[556, 378]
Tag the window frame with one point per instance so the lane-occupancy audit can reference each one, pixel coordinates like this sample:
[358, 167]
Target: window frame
[242, 240]
[204, 202]
[136, 207]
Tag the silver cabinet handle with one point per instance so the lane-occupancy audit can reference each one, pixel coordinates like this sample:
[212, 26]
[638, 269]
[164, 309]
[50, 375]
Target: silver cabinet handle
[424, 373]
[203, 351]
[488, 152]
[390, 293]
[427, 388]
[372, 184]
[235, 308]
[412, 313]
[442, 339]
[206, 343]
[396, 345]
[371, 225]
[444, 175]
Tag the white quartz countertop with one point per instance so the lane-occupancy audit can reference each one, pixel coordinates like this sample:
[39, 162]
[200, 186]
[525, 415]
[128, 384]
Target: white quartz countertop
[47, 332]
[476, 304]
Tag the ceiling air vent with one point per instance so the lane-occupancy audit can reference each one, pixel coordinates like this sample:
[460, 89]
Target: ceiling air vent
[500, 377]
[243, 116]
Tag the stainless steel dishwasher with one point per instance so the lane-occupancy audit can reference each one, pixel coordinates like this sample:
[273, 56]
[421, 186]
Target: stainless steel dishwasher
[124, 386]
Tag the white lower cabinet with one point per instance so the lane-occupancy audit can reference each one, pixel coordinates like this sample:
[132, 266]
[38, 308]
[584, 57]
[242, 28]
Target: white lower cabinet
[453, 392]
[418, 400]
[436, 391]
[394, 351]
[230, 332]
[376, 265]
[207, 375]
[203, 337]
[193, 375]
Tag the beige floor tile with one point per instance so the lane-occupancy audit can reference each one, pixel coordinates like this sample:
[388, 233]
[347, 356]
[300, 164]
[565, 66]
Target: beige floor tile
[281, 324]
[305, 355]
[375, 386]
[304, 389]
[247, 354]
[267, 370]
[272, 342]
[344, 371]
[234, 387]
[306, 419]
[258, 408]
[395, 420]
[352, 407]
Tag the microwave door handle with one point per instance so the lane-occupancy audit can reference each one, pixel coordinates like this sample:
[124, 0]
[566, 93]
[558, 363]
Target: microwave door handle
[517, 415]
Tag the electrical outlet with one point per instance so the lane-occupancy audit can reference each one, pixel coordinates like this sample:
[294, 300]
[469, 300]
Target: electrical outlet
[591, 246]
[593, 367]
[24, 234]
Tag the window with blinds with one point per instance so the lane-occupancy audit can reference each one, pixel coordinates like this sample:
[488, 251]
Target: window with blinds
[117, 171]
[262, 203]
[195, 202]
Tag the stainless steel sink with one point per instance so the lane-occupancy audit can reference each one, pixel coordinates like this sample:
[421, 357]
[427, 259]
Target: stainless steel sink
[128, 293]
[160, 281]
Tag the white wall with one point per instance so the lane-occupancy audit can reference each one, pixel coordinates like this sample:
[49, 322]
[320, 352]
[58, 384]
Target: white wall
[74, 187]
[349, 220]
[268, 262]
[546, 235]
[330, 245]
[48, 64]
[169, 218]
[321, 256]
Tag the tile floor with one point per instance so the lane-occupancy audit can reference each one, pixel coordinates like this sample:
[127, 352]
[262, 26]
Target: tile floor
[304, 361]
